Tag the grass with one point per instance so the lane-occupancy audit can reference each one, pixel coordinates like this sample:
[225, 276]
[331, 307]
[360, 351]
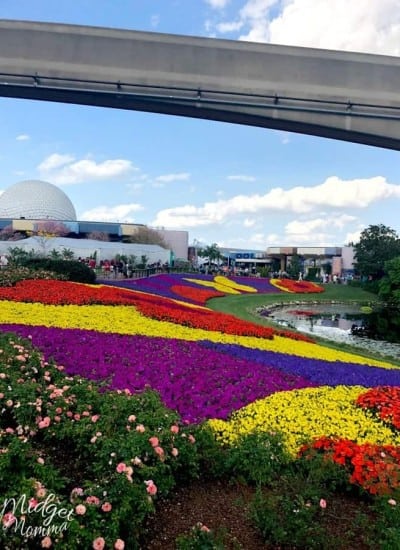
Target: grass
[244, 306]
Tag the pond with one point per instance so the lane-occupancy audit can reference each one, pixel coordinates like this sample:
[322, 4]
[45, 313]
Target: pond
[332, 321]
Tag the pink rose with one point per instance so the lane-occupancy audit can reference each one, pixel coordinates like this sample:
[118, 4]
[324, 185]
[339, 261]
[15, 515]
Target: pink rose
[322, 503]
[121, 467]
[151, 487]
[154, 441]
[45, 423]
[46, 542]
[174, 451]
[119, 544]
[132, 418]
[106, 507]
[99, 543]
[80, 509]
[93, 500]
[76, 492]
[174, 429]
[8, 519]
[140, 428]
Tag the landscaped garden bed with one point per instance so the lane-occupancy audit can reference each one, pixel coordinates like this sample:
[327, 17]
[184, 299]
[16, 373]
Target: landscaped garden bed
[122, 402]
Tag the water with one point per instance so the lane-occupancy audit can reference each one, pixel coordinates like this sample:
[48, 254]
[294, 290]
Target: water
[331, 321]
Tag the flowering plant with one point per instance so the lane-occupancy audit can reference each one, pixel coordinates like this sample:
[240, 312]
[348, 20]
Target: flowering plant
[119, 452]
[301, 287]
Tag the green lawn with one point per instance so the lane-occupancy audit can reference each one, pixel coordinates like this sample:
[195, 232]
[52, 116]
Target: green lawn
[244, 306]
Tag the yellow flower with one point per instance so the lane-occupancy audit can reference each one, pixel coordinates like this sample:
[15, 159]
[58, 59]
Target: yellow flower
[232, 284]
[127, 320]
[301, 415]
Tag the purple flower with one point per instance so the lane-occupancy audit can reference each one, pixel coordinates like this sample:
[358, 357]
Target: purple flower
[192, 378]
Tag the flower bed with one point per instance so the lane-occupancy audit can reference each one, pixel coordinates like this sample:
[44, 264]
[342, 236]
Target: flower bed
[301, 287]
[208, 369]
[171, 286]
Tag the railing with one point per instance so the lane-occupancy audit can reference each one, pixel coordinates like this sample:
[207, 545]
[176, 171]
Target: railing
[139, 273]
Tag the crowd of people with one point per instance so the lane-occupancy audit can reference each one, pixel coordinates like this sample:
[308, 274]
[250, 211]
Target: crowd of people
[119, 268]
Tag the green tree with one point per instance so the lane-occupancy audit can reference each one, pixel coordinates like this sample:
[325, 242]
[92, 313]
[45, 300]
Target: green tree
[211, 252]
[389, 286]
[143, 262]
[67, 254]
[377, 245]
[385, 321]
[295, 267]
[18, 256]
[55, 254]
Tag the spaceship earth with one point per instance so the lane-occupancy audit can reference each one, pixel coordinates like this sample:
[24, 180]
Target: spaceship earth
[36, 200]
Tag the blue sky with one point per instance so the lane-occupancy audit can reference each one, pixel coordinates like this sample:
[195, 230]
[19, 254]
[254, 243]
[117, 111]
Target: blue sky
[196, 175]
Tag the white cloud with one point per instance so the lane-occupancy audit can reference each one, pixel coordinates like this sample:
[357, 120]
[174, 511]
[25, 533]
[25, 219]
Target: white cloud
[119, 213]
[155, 21]
[65, 169]
[284, 137]
[217, 4]
[54, 161]
[249, 223]
[258, 240]
[333, 193]
[241, 177]
[168, 178]
[322, 231]
[231, 26]
[134, 187]
[372, 26]
[354, 236]
[23, 137]
[323, 224]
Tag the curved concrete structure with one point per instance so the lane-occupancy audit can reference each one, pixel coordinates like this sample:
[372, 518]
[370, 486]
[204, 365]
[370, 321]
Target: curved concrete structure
[347, 96]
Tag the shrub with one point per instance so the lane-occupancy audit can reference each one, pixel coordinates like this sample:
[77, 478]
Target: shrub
[10, 276]
[200, 538]
[289, 520]
[257, 458]
[386, 528]
[74, 270]
[102, 456]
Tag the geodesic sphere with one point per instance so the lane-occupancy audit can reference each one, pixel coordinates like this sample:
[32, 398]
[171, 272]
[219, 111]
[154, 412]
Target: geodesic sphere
[36, 200]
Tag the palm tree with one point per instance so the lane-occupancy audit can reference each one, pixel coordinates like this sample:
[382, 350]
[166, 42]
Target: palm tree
[211, 252]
